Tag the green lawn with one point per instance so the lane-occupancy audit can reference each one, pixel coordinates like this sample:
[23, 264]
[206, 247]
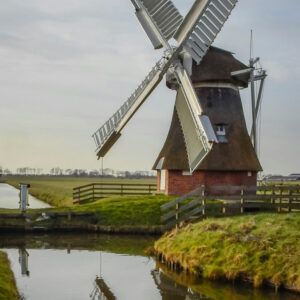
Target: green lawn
[263, 247]
[8, 289]
[57, 191]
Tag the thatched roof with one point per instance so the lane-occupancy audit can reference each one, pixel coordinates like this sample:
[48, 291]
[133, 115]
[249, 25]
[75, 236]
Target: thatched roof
[222, 106]
[217, 66]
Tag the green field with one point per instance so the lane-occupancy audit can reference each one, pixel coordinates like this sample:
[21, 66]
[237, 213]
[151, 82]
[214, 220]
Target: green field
[8, 289]
[57, 191]
[263, 248]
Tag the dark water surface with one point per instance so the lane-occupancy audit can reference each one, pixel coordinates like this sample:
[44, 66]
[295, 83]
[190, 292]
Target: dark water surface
[9, 198]
[102, 267]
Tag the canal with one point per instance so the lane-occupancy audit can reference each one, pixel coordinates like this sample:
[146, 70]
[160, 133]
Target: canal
[104, 267]
[9, 198]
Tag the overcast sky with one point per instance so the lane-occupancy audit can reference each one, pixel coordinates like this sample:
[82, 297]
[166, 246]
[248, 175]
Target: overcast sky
[67, 65]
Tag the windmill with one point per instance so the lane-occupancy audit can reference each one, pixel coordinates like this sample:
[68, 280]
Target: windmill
[197, 135]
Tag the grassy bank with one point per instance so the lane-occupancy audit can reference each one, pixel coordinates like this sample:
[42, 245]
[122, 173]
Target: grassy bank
[8, 289]
[127, 210]
[117, 211]
[263, 249]
[57, 191]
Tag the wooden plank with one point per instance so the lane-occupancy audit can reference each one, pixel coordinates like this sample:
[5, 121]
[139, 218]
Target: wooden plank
[183, 208]
[124, 184]
[251, 197]
[114, 184]
[82, 190]
[192, 213]
[236, 188]
[272, 205]
[83, 186]
[194, 193]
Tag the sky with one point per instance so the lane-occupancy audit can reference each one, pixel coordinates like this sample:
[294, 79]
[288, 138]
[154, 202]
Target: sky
[67, 65]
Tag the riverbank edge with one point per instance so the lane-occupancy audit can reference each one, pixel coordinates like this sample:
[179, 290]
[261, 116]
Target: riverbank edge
[180, 264]
[20, 225]
[243, 278]
[8, 286]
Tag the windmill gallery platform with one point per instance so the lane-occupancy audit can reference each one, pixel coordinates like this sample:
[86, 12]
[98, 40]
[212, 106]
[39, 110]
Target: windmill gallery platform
[232, 161]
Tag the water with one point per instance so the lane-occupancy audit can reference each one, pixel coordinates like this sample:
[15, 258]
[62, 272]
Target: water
[9, 198]
[100, 267]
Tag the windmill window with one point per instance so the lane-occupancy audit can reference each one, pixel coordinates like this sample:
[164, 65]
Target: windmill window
[221, 130]
[221, 133]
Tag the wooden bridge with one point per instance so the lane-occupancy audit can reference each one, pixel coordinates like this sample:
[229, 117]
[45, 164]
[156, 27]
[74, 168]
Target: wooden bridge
[94, 191]
[230, 200]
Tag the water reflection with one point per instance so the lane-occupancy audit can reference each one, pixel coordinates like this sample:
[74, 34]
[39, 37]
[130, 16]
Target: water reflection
[171, 290]
[102, 291]
[102, 267]
[23, 260]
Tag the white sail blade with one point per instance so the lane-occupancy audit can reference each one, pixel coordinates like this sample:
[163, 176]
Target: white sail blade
[197, 130]
[202, 24]
[109, 133]
[159, 18]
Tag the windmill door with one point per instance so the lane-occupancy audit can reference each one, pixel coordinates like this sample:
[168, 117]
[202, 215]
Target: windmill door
[162, 180]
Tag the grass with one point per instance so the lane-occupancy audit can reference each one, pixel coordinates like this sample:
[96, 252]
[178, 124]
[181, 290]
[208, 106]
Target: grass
[8, 289]
[127, 210]
[264, 248]
[57, 191]
[112, 211]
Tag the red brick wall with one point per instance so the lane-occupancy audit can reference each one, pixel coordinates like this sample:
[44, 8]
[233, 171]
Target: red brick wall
[178, 184]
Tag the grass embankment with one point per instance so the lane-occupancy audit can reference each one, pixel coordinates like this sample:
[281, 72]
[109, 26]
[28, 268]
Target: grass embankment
[264, 248]
[127, 210]
[8, 289]
[117, 211]
[57, 191]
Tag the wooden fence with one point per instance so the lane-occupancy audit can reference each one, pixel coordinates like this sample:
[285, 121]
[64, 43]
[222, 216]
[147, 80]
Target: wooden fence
[94, 191]
[231, 200]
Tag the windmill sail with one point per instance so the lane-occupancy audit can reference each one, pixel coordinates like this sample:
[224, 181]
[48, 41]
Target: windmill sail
[163, 15]
[202, 24]
[109, 133]
[198, 133]
[196, 34]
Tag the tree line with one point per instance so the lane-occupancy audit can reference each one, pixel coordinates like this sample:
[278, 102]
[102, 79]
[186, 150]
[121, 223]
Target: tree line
[57, 171]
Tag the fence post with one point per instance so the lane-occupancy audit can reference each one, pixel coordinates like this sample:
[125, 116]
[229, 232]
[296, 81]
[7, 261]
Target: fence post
[224, 208]
[79, 193]
[272, 194]
[177, 214]
[149, 189]
[93, 192]
[121, 189]
[280, 199]
[242, 201]
[290, 201]
[203, 201]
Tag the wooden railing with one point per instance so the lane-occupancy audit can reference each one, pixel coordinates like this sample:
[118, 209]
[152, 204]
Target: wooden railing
[94, 191]
[230, 200]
